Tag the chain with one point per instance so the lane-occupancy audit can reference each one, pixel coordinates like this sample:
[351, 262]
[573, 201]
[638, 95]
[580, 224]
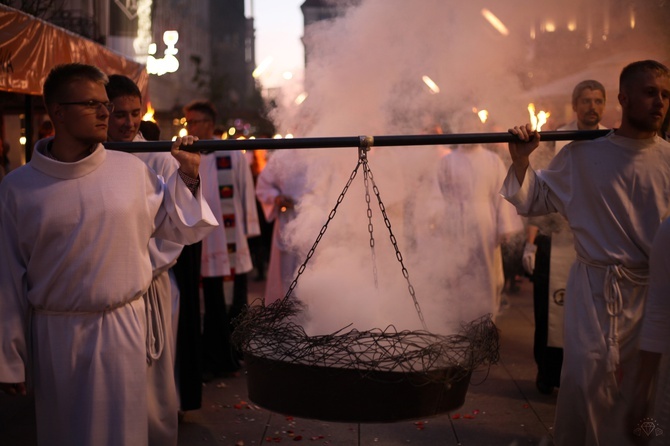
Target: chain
[394, 242]
[364, 159]
[367, 178]
[323, 230]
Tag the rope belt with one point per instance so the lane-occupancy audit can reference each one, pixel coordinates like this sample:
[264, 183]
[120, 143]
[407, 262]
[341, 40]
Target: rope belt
[155, 336]
[155, 323]
[614, 276]
[110, 307]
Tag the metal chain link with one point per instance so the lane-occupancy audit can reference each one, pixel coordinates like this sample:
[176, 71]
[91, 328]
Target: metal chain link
[363, 158]
[394, 242]
[323, 230]
[367, 176]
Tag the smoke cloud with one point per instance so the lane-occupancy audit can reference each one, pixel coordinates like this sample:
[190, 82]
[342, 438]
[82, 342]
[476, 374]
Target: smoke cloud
[364, 76]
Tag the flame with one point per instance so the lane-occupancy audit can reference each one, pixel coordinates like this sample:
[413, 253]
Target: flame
[539, 119]
[483, 114]
[149, 115]
[434, 89]
[495, 22]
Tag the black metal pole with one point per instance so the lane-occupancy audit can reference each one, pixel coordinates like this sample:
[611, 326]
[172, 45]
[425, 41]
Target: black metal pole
[349, 141]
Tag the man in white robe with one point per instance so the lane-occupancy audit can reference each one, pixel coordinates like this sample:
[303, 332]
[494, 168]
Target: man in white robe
[478, 220]
[219, 359]
[162, 298]
[550, 239]
[279, 188]
[614, 192]
[650, 412]
[75, 226]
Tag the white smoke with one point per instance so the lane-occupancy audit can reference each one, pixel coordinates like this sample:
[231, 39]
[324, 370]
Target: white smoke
[364, 76]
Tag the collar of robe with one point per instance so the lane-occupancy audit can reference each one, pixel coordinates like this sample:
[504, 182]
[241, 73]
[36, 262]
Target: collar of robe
[65, 171]
[636, 144]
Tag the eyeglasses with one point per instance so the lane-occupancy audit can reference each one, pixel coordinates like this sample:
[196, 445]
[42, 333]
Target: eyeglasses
[92, 105]
[196, 121]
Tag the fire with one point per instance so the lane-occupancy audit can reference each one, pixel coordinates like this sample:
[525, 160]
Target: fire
[495, 22]
[434, 89]
[483, 114]
[539, 119]
[149, 115]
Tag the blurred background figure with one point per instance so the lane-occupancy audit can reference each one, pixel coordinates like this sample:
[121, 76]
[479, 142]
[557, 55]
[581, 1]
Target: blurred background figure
[150, 130]
[479, 221]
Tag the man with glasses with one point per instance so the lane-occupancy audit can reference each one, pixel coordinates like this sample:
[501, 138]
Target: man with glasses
[235, 190]
[75, 225]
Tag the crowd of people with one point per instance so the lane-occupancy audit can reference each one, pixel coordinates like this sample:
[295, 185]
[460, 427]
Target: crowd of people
[107, 255]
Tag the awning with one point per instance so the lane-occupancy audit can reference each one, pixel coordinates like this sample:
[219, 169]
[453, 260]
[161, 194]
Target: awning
[30, 47]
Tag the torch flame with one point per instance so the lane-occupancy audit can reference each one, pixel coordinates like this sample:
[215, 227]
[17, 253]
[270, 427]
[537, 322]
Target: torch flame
[149, 115]
[539, 119]
[434, 89]
[495, 22]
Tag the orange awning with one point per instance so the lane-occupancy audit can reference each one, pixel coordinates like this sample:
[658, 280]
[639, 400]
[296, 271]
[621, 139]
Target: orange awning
[30, 47]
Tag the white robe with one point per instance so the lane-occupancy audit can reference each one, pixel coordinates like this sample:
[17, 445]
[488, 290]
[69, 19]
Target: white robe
[74, 238]
[214, 257]
[238, 206]
[561, 258]
[477, 220]
[614, 192]
[286, 173]
[655, 332]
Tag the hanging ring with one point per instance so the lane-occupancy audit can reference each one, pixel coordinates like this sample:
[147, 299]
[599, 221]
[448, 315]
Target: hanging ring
[364, 145]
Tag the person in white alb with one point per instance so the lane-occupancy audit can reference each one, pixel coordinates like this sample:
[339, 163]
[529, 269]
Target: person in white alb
[614, 192]
[651, 404]
[75, 225]
[239, 220]
[549, 250]
[162, 297]
[479, 221]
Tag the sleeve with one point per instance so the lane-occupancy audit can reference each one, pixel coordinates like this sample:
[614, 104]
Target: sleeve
[13, 299]
[542, 192]
[267, 191]
[656, 322]
[507, 218]
[182, 217]
[214, 257]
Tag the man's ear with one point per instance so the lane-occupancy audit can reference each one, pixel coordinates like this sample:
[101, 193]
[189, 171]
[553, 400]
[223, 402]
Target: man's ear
[57, 112]
[622, 98]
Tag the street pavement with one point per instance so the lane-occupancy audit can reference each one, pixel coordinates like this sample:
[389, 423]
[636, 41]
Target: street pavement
[502, 406]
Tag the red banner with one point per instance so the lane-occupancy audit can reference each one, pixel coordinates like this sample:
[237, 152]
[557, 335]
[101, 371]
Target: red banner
[30, 47]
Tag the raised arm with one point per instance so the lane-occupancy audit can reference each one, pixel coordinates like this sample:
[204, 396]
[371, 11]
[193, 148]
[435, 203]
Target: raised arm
[189, 162]
[520, 151]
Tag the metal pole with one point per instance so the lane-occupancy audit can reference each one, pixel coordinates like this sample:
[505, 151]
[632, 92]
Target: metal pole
[349, 141]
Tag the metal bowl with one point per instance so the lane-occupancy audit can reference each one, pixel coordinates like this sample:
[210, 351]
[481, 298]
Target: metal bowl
[351, 395]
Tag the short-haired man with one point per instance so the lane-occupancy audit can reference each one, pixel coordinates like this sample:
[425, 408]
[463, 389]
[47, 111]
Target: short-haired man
[235, 185]
[75, 225]
[614, 192]
[550, 241]
[163, 294]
